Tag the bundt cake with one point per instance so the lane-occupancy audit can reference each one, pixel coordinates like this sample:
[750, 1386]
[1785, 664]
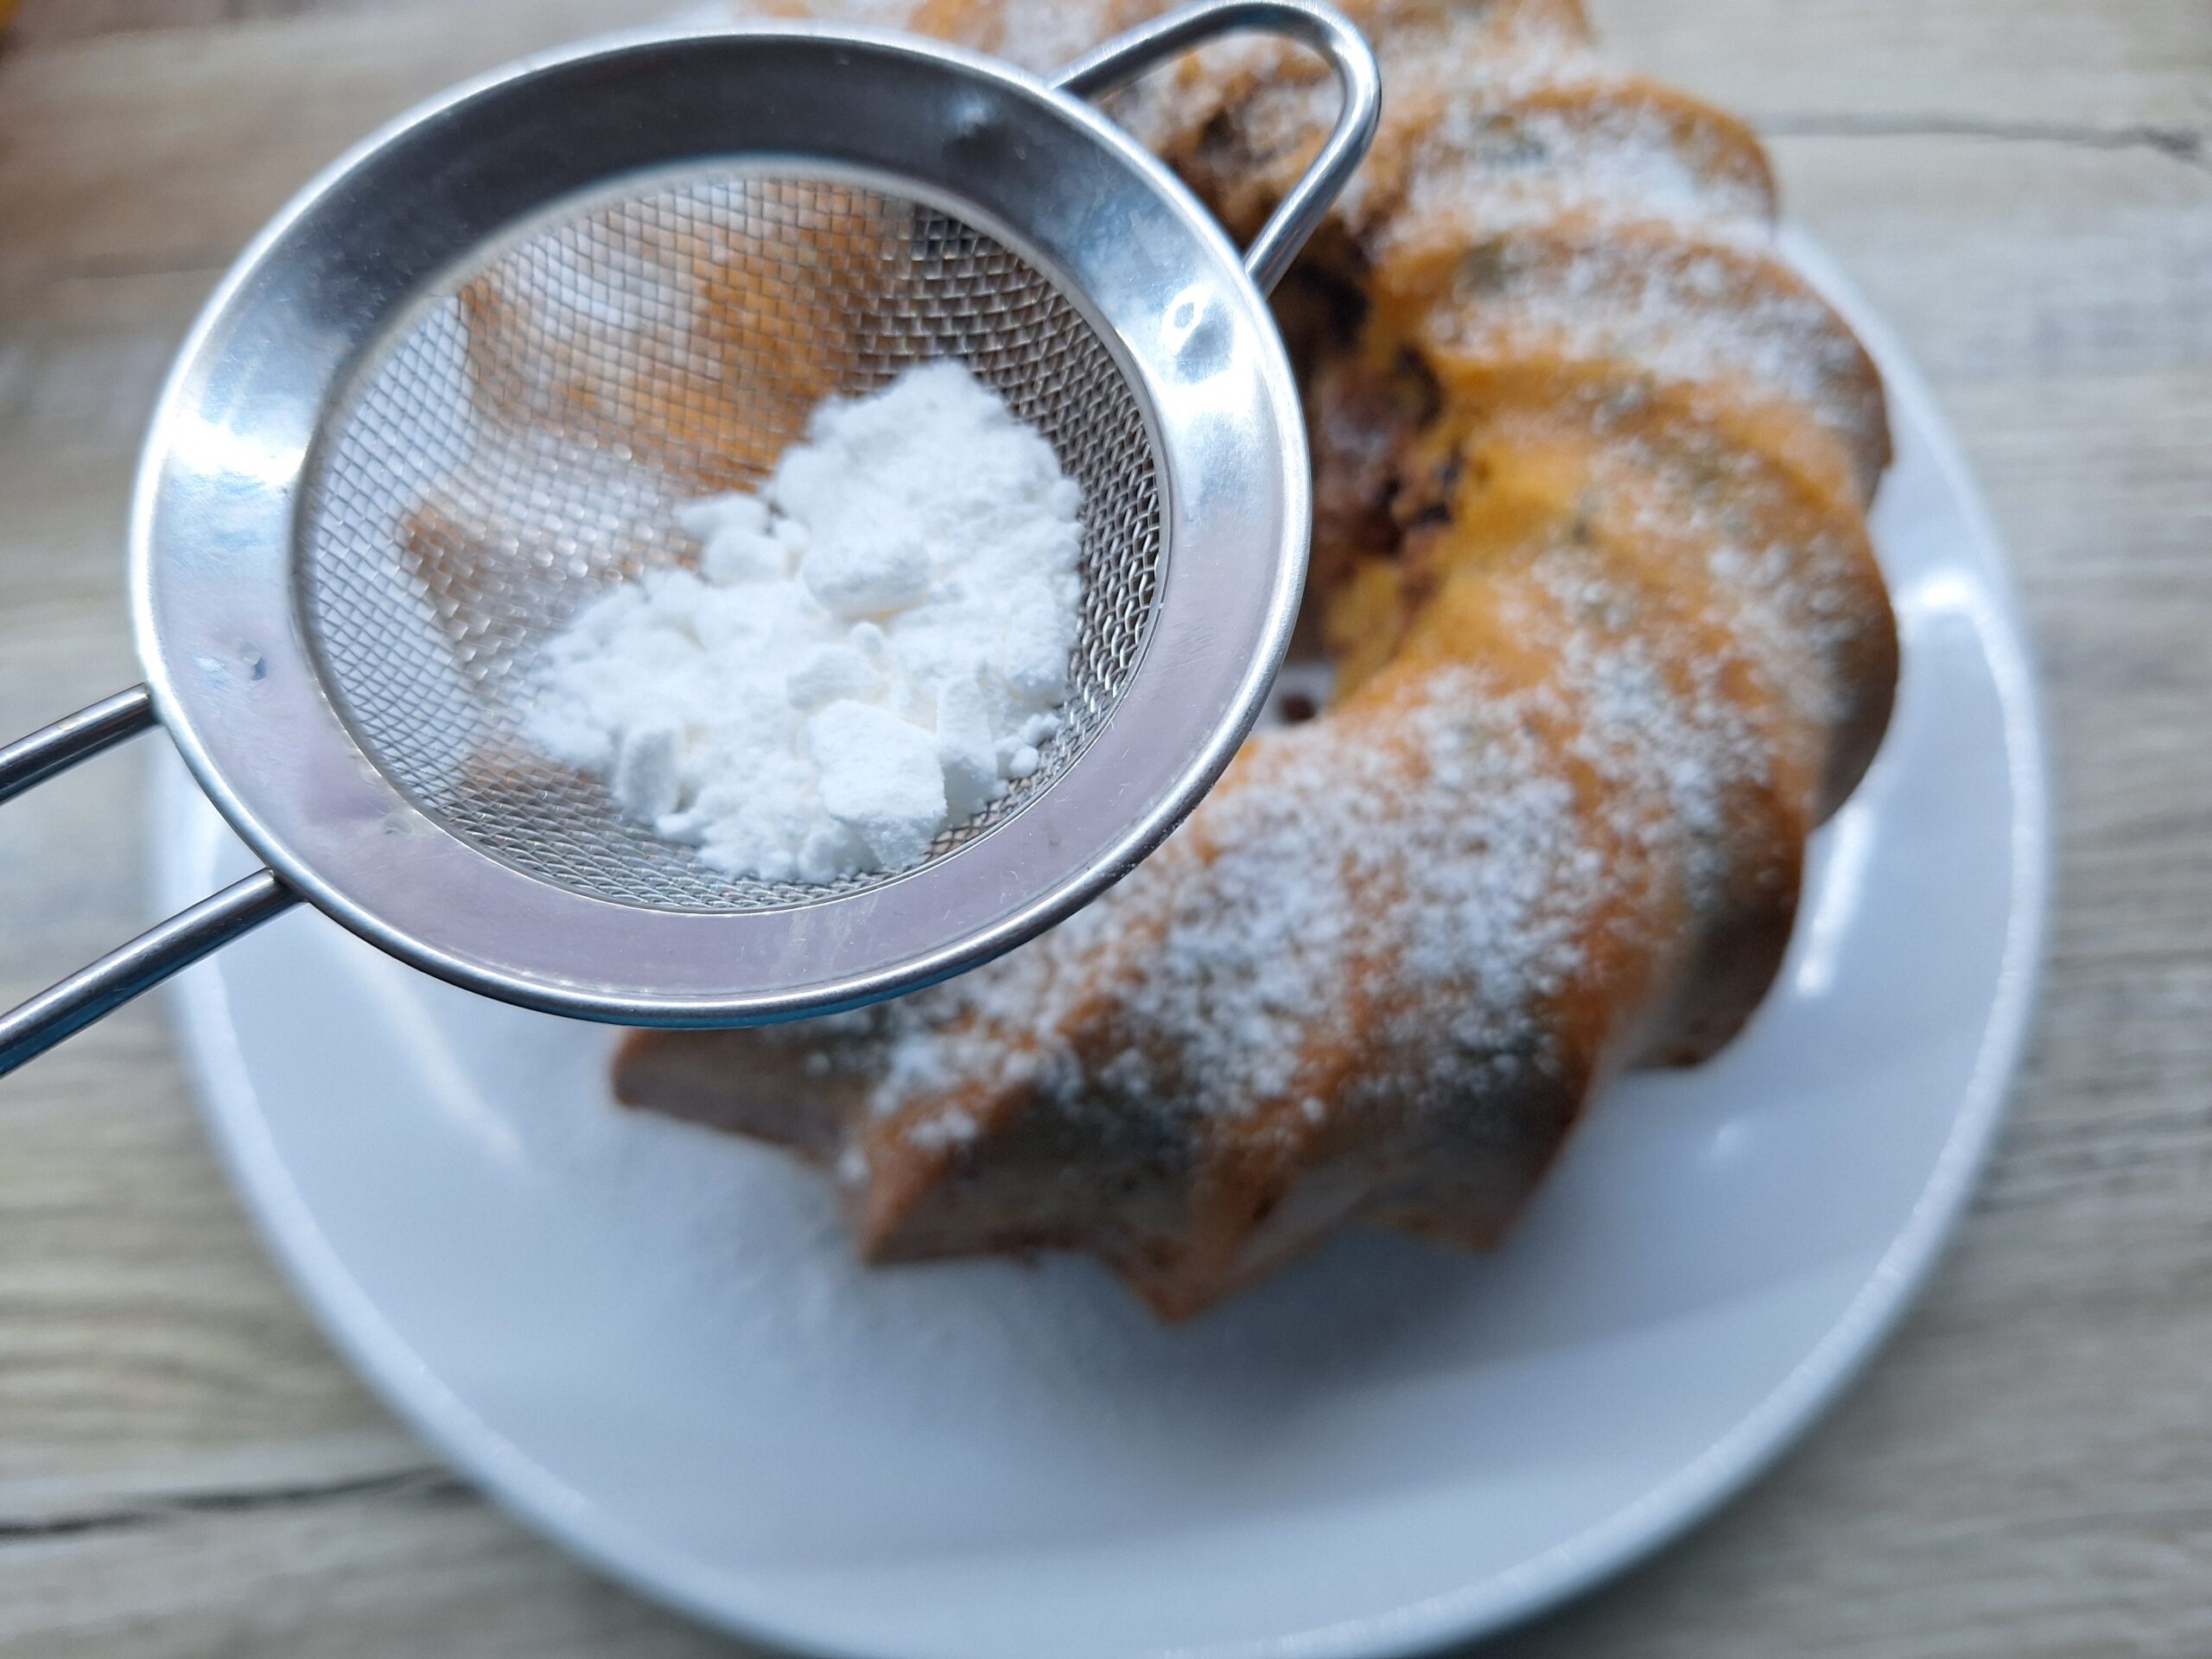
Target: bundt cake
[1592, 565]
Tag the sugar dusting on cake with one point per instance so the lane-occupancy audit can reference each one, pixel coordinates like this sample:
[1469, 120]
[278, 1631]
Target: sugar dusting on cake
[1441, 848]
[1442, 844]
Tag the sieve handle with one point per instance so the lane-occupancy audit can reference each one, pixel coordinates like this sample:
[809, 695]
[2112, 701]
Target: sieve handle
[67, 1009]
[55, 748]
[1309, 22]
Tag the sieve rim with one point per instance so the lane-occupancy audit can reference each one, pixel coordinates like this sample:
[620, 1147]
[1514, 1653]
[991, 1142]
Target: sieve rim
[227, 455]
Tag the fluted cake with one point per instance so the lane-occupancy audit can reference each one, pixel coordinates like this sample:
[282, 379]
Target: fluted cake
[1591, 561]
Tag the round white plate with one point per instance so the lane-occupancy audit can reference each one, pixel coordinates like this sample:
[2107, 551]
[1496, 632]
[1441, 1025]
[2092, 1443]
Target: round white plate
[650, 1341]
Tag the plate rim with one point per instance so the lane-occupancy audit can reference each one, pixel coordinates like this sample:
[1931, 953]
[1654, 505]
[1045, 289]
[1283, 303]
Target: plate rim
[1668, 1510]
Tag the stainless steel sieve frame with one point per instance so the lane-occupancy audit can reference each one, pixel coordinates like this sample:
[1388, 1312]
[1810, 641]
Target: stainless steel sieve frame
[223, 486]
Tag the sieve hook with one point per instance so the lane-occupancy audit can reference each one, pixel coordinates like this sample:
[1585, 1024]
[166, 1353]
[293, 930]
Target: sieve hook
[1319, 26]
[67, 1009]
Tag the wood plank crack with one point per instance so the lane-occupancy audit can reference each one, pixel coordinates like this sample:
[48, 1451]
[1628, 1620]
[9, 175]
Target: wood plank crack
[425, 1482]
[2187, 145]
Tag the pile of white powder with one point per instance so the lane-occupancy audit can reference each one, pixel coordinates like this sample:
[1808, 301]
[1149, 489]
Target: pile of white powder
[871, 649]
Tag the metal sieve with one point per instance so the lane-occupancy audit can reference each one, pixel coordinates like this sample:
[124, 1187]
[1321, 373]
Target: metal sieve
[530, 436]
[463, 381]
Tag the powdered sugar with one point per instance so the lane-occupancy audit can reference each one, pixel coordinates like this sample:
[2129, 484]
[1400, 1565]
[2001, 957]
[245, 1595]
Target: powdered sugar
[1406, 885]
[871, 648]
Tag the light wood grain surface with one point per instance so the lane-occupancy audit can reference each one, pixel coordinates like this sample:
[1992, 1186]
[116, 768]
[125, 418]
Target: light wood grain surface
[2024, 186]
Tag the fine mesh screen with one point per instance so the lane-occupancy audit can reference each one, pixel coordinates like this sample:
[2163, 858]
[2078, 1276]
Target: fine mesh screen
[527, 436]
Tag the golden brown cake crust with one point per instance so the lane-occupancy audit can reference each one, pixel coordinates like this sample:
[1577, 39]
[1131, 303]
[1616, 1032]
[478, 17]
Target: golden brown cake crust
[1592, 469]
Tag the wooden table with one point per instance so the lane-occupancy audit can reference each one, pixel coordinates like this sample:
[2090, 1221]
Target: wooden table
[2024, 186]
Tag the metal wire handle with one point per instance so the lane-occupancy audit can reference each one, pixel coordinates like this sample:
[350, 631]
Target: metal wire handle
[67, 1009]
[1318, 27]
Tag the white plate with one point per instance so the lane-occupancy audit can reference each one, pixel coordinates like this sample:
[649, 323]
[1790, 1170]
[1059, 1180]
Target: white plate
[650, 1341]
